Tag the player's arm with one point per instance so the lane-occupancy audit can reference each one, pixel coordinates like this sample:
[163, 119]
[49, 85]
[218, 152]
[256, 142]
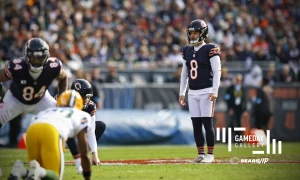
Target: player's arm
[83, 148]
[183, 79]
[5, 74]
[215, 63]
[183, 84]
[93, 142]
[62, 81]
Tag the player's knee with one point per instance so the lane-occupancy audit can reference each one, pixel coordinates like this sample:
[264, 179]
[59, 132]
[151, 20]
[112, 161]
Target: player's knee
[73, 146]
[208, 123]
[197, 122]
[100, 126]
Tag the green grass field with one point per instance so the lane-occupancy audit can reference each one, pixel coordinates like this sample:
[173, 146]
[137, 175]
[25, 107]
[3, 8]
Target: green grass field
[284, 166]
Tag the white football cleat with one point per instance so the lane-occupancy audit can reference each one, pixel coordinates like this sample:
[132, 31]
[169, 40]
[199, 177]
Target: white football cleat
[36, 172]
[209, 158]
[198, 159]
[18, 170]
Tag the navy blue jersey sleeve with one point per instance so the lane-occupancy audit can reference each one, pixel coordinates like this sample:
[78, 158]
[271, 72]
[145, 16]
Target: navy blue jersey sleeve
[90, 108]
[12, 67]
[183, 51]
[214, 50]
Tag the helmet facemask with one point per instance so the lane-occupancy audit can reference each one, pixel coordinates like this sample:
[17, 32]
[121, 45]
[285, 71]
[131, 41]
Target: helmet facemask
[199, 39]
[86, 99]
[36, 60]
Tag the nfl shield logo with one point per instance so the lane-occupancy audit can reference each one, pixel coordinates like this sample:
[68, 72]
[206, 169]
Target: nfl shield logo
[23, 81]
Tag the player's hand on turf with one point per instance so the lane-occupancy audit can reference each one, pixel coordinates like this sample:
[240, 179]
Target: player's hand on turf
[181, 101]
[95, 159]
[212, 97]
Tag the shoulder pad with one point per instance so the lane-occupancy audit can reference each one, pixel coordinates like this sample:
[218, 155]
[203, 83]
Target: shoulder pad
[54, 63]
[183, 51]
[213, 50]
[14, 66]
[53, 60]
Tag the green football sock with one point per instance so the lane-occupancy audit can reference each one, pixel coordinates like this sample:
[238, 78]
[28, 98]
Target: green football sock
[50, 175]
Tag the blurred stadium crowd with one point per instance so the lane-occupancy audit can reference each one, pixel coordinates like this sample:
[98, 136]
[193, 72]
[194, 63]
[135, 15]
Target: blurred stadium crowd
[148, 34]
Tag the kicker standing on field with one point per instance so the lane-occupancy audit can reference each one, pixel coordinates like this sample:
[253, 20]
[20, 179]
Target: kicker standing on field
[202, 70]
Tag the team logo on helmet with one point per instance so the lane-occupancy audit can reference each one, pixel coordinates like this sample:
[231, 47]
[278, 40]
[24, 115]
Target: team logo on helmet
[203, 24]
[77, 86]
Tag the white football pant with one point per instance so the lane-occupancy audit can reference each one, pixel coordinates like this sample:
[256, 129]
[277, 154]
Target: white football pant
[200, 105]
[12, 107]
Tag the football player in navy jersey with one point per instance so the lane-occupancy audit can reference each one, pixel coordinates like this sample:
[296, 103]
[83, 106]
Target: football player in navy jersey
[31, 76]
[97, 127]
[201, 70]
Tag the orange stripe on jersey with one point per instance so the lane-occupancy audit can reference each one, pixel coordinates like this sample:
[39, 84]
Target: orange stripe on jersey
[213, 108]
[215, 51]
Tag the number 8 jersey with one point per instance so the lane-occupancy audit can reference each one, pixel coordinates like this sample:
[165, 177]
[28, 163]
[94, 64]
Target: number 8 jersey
[68, 121]
[24, 87]
[198, 65]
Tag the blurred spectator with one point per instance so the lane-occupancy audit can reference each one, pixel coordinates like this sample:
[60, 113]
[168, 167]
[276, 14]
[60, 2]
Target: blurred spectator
[285, 74]
[16, 50]
[112, 76]
[175, 56]
[294, 52]
[236, 102]
[96, 75]
[136, 31]
[260, 48]
[176, 75]
[241, 36]
[74, 61]
[254, 77]
[51, 36]
[224, 35]
[263, 105]
[226, 78]
[271, 75]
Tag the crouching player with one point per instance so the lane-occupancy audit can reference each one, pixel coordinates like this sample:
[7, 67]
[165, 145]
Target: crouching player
[96, 129]
[46, 135]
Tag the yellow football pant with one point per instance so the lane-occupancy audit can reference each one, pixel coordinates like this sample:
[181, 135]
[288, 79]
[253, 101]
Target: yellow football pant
[45, 145]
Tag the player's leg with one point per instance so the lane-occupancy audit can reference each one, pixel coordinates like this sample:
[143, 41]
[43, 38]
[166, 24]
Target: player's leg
[10, 108]
[72, 145]
[32, 142]
[194, 109]
[52, 144]
[46, 102]
[14, 131]
[19, 171]
[207, 111]
[100, 128]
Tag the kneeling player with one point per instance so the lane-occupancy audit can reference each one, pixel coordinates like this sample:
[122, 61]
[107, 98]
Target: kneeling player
[47, 134]
[97, 127]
